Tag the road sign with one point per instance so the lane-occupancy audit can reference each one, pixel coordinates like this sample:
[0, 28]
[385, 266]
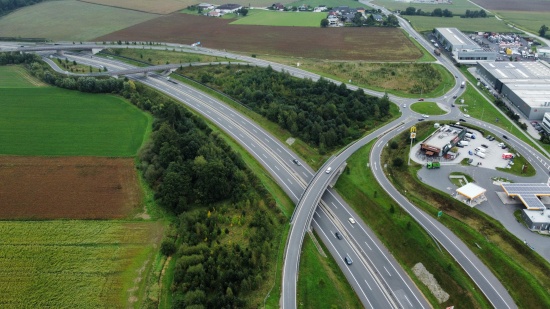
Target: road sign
[439, 214]
[413, 132]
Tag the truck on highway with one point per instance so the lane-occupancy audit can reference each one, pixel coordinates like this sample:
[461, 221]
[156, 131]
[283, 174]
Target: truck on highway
[463, 84]
[432, 165]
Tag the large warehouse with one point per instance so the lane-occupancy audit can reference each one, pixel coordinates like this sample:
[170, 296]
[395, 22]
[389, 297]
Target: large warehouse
[464, 49]
[525, 84]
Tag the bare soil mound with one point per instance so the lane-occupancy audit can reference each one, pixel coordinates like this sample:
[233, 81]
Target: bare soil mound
[68, 187]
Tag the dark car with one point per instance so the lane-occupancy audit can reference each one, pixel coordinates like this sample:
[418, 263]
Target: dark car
[488, 137]
[484, 146]
[505, 137]
[470, 161]
[338, 235]
[420, 119]
[454, 97]
[420, 99]
[452, 105]
[348, 260]
[297, 162]
[462, 119]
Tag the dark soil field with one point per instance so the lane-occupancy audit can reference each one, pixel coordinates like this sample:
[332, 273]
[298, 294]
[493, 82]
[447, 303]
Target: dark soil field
[349, 43]
[68, 187]
[515, 5]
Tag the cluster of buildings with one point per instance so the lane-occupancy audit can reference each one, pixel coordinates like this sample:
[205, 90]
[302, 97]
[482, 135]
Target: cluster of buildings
[463, 49]
[340, 15]
[219, 10]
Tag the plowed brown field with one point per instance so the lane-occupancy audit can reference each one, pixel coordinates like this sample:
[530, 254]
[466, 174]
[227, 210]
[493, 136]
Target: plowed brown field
[68, 187]
[349, 43]
[515, 5]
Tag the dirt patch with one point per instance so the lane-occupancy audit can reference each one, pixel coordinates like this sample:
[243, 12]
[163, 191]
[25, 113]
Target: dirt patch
[514, 5]
[348, 43]
[68, 187]
[428, 279]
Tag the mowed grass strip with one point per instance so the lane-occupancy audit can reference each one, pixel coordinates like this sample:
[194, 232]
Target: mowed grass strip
[427, 23]
[68, 20]
[59, 122]
[276, 18]
[428, 108]
[17, 77]
[74, 264]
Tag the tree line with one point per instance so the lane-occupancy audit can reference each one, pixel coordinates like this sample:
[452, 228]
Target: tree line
[321, 113]
[443, 13]
[195, 175]
[7, 6]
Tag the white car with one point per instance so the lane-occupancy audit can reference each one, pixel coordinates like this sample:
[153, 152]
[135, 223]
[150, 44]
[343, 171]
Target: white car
[425, 116]
[328, 170]
[351, 220]
[466, 115]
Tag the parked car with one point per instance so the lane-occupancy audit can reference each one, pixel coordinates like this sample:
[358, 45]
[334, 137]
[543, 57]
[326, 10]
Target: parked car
[488, 137]
[484, 146]
[492, 138]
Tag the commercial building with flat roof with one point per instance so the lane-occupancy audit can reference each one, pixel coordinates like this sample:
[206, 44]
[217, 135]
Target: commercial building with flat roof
[536, 220]
[442, 140]
[463, 49]
[525, 84]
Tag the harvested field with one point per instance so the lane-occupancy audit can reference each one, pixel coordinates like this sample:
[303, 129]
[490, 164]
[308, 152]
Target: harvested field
[149, 6]
[514, 5]
[370, 44]
[68, 187]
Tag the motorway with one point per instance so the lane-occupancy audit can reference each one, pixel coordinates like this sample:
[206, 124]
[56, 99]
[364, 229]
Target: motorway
[277, 159]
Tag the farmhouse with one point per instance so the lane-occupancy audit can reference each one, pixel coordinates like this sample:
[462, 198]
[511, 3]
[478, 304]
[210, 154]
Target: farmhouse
[228, 8]
[377, 17]
[524, 84]
[205, 6]
[278, 6]
[463, 49]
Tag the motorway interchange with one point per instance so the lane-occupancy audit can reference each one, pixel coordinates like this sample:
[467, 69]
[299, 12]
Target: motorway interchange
[377, 278]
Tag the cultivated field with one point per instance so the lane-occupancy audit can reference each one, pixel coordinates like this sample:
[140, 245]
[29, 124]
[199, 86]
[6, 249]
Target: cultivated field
[275, 18]
[68, 188]
[149, 6]
[370, 44]
[514, 5]
[51, 121]
[425, 23]
[68, 20]
[17, 77]
[75, 264]
[531, 21]
[328, 3]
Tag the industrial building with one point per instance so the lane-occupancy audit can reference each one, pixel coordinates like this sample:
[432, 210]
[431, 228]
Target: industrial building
[525, 84]
[537, 220]
[463, 49]
[442, 140]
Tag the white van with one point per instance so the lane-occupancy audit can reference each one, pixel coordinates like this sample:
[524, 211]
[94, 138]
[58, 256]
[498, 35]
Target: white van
[479, 149]
[464, 143]
[480, 154]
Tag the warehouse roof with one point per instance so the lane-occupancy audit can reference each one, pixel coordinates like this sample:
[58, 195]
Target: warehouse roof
[457, 38]
[517, 70]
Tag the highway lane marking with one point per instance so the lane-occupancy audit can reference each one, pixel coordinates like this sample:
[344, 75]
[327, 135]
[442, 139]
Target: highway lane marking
[368, 285]
[254, 130]
[229, 126]
[263, 154]
[303, 173]
[368, 246]
[334, 205]
[279, 150]
[241, 135]
[387, 270]
[289, 181]
[408, 301]
[277, 167]
[253, 145]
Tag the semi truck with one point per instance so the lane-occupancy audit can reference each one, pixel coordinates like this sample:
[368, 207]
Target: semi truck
[463, 84]
[432, 165]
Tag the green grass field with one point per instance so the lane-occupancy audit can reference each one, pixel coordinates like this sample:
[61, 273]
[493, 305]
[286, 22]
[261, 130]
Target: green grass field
[74, 264]
[426, 23]
[273, 18]
[68, 20]
[51, 121]
[428, 108]
[329, 3]
[17, 77]
[530, 21]
[458, 6]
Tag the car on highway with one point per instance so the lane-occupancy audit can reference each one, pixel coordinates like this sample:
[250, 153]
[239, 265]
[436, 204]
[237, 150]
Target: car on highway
[504, 137]
[351, 220]
[328, 170]
[297, 162]
[338, 235]
[452, 105]
[420, 119]
[462, 119]
[466, 115]
[404, 105]
[348, 260]
[425, 116]
[421, 99]
[455, 96]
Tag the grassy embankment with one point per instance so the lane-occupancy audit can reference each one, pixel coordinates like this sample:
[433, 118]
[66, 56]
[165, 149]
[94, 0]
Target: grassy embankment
[403, 236]
[522, 271]
[159, 57]
[428, 108]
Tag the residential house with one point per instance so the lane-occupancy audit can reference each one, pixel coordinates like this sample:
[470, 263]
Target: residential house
[206, 6]
[278, 6]
[228, 8]
[377, 17]
[214, 14]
